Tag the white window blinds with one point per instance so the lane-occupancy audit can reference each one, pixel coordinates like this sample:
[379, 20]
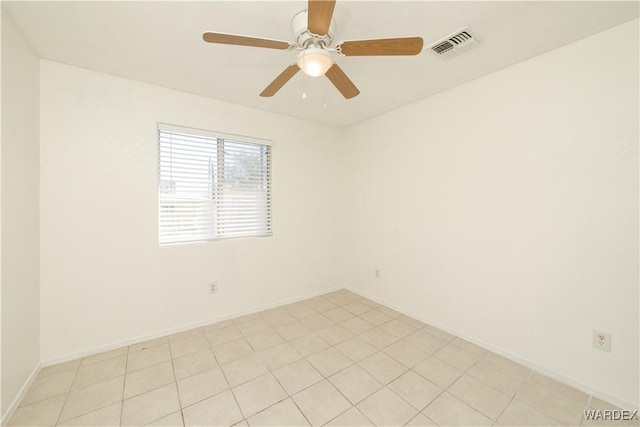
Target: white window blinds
[212, 186]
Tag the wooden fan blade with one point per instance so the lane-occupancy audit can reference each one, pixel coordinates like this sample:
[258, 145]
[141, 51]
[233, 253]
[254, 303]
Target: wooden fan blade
[222, 38]
[340, 80]
[401, 46]
[319, 13]
[279, 81]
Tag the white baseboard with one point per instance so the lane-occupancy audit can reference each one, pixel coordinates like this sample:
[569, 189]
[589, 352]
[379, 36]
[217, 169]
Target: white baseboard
[114, 345]
[593, 391]
[23, 391]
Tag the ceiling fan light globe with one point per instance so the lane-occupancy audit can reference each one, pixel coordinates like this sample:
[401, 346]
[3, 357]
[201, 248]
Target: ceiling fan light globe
[314, 61]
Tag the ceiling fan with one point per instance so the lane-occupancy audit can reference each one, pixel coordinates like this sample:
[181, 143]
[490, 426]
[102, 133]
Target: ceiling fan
[313, 29]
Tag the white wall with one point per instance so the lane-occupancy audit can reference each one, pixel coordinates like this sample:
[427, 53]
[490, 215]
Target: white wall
[104, 277]
[20, 212]
[506, 210]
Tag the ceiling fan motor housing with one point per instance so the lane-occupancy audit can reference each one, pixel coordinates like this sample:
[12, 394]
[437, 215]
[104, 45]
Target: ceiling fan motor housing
[304, 38]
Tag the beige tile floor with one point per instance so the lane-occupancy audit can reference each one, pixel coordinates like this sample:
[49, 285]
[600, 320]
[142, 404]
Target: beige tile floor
[337, 359]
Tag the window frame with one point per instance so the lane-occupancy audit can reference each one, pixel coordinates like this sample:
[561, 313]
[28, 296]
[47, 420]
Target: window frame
[219, 137]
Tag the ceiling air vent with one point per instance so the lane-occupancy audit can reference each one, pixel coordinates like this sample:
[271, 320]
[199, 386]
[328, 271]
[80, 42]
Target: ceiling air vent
[455, 44]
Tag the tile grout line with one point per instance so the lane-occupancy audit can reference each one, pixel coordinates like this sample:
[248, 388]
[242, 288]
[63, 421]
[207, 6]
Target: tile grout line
[514, 396]
[278, 381]
[289, 396]
[229, 388]
[442, 389]
[124, 384]
[21, 405]
[324, 378]
[95, 409]
[352, 363]
[381, 350]
[558, 392]
[192, 375]
[224, 375]
[66, 398]
[156, 388]
[175, 380]
[271, 371]
[445, 389]
[583, 418]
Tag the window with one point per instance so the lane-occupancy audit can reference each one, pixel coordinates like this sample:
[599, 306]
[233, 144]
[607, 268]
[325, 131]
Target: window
[212, 186]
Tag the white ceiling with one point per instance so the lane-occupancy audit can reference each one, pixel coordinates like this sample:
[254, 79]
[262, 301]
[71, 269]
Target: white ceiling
[161, 43]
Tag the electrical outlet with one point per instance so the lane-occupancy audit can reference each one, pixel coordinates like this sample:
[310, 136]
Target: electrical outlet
[602, 340]
[377, 273]
[213, 288]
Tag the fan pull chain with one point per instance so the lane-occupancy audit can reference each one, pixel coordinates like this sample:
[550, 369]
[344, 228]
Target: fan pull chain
[324, 87]
[304, 80]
